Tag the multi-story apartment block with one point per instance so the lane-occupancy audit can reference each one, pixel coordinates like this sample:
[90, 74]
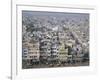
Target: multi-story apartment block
[45, 49]
[63, 50]
[63, 53]
[34, 52]
[31, 51]
[65, 47]
[49, 48]
[62, 36]
[54, 47]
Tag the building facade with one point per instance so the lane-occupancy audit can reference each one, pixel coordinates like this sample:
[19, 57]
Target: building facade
[31, 52]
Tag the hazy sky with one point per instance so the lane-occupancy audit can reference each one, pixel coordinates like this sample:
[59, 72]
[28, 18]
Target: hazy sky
[56, 14]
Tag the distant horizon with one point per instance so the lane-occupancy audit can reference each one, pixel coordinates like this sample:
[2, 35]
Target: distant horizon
[56, 14]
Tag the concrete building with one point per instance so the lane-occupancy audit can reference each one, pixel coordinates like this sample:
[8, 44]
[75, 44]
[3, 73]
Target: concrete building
[66, 43]
[31, 52]
[63, 50]
[54, 47]
[49, 48]
[63, 53]
[45, 49]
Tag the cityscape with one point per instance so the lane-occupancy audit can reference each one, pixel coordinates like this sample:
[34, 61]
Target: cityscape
[54, 39]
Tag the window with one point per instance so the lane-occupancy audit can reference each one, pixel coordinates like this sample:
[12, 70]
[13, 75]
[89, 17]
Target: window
[31, 56]
[35, 57]
[25, 56]
[30, 52]
[25, 50]
[34, 46]
[25, 53]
